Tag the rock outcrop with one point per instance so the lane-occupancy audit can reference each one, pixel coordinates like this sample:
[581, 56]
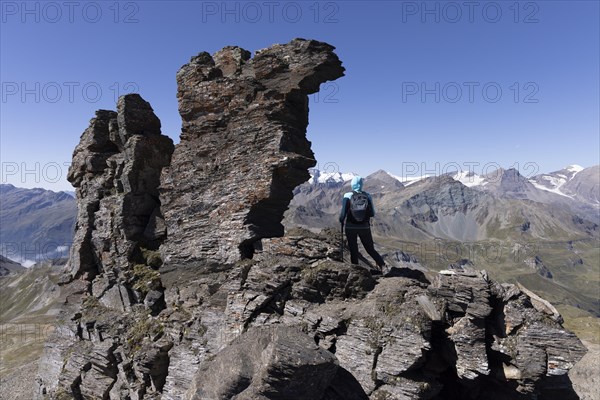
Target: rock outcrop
[243, 147]
[249, 330]
[292, 322]
[112, 267]
[116, 172]
[267, 360]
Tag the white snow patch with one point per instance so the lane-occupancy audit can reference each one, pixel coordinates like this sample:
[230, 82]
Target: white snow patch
[348, 176]
[324, 177]
[23, 261]
[469, 179]
[547, 189]
[396, 177]
[409, 180]
[575, 168]
[554, 181]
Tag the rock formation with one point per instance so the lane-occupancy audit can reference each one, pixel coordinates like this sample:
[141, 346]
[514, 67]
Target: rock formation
[116, 172]
[292, 322]
[243, 147]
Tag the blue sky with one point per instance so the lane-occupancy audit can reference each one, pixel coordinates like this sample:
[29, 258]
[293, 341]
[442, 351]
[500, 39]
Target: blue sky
[431, 84]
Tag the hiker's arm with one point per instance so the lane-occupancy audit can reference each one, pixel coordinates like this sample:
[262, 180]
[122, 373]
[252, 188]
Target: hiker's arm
[372, 205]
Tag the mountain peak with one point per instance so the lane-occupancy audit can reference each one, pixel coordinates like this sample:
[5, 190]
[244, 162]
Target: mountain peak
[469, 179]
[382, 180]
[380, 174]
[321, 177]
[574, 168]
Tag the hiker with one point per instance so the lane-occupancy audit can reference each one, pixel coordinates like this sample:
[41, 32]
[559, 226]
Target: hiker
[357, 209]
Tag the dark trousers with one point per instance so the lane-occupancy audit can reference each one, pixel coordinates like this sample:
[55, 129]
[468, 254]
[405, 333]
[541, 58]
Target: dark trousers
[366, 239]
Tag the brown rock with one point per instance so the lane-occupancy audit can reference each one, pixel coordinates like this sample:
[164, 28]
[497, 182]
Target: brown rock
[267, 363]
[243, 147]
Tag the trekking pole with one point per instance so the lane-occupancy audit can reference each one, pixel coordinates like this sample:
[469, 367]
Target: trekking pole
[342, 242]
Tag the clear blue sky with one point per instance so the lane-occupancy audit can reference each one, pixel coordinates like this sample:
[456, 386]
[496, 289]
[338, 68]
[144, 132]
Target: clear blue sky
[421, 84]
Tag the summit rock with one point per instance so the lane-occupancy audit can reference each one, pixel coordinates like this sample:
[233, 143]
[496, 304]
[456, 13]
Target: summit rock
[243, 147]
[116, 172]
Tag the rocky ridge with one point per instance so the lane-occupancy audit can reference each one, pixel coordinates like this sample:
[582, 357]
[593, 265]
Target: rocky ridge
[9, 267]
[235, 311]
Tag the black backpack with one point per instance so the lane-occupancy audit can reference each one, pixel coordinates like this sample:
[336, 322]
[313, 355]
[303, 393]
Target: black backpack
[359, 206]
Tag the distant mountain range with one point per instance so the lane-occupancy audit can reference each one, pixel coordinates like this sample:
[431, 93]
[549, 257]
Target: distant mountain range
[574, 187]
[574, 183]
[573, 190]
[35, 224]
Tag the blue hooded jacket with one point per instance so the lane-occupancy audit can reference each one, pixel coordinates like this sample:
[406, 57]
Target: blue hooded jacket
[356, 184]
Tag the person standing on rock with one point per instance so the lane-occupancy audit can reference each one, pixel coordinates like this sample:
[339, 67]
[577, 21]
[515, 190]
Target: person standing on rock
[357, 209]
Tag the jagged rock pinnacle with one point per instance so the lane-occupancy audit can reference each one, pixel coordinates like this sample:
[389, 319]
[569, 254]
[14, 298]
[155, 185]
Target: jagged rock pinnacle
[116, 172]
[243, 147]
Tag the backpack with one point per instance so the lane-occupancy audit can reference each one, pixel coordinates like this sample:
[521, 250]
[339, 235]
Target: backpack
[359, 206]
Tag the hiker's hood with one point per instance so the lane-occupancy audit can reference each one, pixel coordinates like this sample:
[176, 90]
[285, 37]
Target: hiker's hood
[357, 183]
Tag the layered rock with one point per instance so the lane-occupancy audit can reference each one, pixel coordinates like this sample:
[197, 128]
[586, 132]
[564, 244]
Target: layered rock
[265, 361]
[401, 336]
[243, 147]
[250, 331]
[116, 172]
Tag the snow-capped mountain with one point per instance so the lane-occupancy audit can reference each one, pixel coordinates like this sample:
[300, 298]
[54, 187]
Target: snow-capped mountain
[574, 188]
[554, 181]
[585, 186]
[572, 183]
[469, 179]
[409, 180]
[503, 205]
[321, 177]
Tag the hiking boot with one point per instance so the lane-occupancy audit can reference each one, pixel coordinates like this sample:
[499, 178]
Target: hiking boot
[378, 270]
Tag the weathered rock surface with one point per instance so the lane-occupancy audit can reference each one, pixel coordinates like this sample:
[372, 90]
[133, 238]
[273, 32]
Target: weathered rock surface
[249, 330]
[243, 147]
[116, 172]
[293, 322]
[536, 264]
[264, 362]
[397, 337]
